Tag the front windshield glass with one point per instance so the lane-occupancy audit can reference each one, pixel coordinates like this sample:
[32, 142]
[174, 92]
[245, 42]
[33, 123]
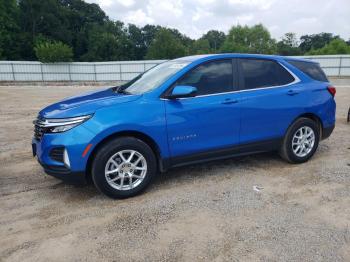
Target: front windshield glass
[154, 77]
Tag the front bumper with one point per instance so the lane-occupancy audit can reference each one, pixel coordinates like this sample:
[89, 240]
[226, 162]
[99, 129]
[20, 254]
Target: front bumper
[61, 172]
[64, 174]
[74, 142]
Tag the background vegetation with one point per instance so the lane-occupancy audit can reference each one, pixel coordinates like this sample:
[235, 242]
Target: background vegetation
[72, 30]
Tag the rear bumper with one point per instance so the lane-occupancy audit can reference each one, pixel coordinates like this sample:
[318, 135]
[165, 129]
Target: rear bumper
[327, 131]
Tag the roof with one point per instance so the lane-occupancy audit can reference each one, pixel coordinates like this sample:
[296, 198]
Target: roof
[232, 55]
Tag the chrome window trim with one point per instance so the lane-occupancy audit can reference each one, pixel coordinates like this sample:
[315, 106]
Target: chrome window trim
[296, 80]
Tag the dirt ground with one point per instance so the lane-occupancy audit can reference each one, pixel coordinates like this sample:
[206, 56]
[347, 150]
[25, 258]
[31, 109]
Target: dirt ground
[206, 212]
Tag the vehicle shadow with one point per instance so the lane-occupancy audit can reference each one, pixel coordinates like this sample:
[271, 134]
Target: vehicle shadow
[219, 167]
[182, 175]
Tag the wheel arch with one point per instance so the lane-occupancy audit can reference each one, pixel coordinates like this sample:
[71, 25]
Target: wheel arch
[311, 116]
[131, 133]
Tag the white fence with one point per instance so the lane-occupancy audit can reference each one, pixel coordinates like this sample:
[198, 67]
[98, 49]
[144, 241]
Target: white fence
[335, 65]
[103, 71]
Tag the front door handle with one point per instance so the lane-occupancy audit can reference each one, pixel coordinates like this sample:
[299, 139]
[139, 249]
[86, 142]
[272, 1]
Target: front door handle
[229, 101]
[292, 92]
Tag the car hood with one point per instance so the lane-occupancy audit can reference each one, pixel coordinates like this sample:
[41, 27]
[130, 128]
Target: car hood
[85, 104]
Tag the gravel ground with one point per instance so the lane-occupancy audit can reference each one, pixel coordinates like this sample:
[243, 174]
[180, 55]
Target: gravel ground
[206, 212]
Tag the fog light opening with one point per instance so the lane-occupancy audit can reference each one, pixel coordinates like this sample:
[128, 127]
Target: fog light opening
[66, 158]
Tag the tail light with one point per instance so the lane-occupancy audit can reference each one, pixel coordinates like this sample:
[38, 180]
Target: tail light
[332, 90]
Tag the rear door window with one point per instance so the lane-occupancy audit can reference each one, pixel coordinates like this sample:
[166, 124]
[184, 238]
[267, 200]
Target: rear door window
[260, 73]
[312, 69]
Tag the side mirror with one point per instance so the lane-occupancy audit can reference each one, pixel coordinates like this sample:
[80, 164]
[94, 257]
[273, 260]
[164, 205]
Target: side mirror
[182, 91]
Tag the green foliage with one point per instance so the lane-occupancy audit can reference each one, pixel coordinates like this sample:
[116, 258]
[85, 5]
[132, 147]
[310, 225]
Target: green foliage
[335, 47]
[315, 41]
[107, 42]
[245, 39]
[201, 46]
[215, 39]
[26, 24]
[9, 30]
[51, 52]
[137, 43]
[288, 45]
[165, 46]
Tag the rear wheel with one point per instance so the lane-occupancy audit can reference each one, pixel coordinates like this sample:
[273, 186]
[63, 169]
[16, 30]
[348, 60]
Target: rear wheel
[300, 141]
[124, 167]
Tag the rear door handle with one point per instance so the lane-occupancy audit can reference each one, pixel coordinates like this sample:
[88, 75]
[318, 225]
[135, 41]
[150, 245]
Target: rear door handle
[292, 92]
[229, 101]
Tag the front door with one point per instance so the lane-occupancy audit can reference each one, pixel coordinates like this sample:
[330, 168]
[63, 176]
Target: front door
[209, 121]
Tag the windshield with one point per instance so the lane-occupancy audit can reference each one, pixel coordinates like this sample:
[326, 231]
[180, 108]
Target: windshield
[154, 77]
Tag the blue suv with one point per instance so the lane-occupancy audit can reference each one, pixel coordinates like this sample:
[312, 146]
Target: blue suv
[185, 111]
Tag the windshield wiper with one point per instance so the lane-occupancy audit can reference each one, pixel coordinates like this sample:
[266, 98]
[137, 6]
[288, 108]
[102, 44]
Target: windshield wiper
[120, 90]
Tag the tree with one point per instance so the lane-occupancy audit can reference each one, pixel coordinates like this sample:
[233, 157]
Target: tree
[81, 17]
[9, 30]
[184, 40]
[108, 42]
[335, 47]
[201, 46]
[51, 52]
[44, 17]
[165, 46]
[315, 41]
[245, 39]
[149, 33]
[67, 21]
[138, 48]
[288, 45]
[215, 39]
[94, 37]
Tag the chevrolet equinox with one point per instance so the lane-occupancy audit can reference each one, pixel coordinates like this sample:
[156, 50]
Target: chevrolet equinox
[185, 111]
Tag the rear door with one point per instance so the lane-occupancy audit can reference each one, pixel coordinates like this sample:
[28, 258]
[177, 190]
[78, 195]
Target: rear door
[209, 120]
[269, 100]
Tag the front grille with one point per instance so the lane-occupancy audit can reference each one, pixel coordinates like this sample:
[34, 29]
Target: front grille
[38, 132]
[39, 128]
[57, 154]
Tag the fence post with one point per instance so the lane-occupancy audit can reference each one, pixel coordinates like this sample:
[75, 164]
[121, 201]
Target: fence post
[95, 76]
[144, 66]
[42, 73]
[120, 72]
[13, 72]
[69, 72]
[340, 64]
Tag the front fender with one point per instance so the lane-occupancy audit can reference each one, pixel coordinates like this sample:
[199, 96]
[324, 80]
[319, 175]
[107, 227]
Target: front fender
[141, 117]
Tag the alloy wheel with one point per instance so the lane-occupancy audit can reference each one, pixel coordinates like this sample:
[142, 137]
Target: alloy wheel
[303, 141]
[126, 170]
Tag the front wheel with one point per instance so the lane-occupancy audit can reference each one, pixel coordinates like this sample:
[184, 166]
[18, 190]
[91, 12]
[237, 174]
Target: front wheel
[300, 141]
[123, 167]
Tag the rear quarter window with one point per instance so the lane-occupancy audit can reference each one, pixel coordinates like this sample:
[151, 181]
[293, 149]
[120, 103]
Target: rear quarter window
[311, 69]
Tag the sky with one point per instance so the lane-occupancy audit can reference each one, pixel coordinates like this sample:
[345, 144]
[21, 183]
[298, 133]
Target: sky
[196, 17]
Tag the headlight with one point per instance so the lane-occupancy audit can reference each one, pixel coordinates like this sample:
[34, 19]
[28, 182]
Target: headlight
[61, 124]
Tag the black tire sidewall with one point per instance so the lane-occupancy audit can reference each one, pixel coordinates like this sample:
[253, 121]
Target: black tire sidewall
[298, 124]
[108, 150]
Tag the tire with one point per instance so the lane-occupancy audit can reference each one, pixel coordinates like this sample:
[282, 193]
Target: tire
[289, 150]
[118, 178]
